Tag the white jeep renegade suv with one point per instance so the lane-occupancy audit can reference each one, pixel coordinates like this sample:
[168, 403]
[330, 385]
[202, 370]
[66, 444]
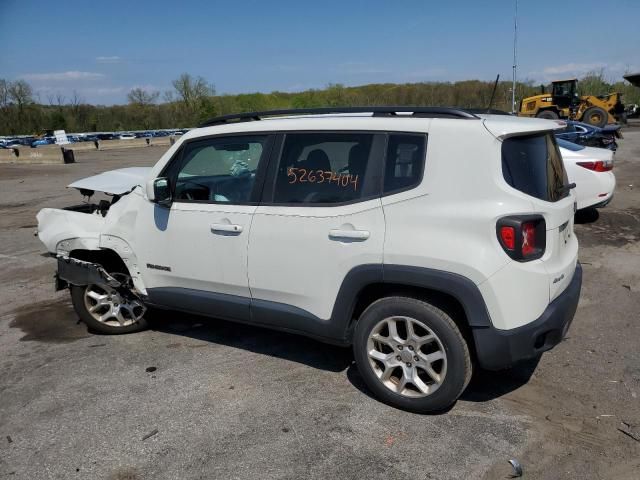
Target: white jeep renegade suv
[430, 239]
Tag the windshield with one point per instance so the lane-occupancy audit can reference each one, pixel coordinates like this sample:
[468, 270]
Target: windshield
[574, 147]
[533, 165]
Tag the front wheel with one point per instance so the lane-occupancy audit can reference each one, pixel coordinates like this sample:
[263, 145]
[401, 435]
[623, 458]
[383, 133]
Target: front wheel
[596, 116]
[411, 354]
[109, 311]
[548, 114]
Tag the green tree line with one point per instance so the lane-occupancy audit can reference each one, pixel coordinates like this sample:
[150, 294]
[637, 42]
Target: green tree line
[193, 100]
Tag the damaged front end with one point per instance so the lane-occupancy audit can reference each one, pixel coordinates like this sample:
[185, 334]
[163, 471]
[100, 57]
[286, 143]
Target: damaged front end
[72, 271]
[91, 240]
[113, 295]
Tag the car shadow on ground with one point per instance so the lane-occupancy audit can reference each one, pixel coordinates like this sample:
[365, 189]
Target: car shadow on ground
[489, 385]
[484, 385]
[586, 215]
[287, 346]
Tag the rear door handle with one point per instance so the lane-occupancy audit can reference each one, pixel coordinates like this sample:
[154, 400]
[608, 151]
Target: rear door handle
[348, 234]
[226, 228]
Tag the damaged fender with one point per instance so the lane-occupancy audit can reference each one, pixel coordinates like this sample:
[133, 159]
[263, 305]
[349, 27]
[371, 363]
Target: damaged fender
[78, 272]
[106, 226]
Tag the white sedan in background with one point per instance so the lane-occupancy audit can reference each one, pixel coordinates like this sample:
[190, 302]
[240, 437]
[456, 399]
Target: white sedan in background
[591, 169]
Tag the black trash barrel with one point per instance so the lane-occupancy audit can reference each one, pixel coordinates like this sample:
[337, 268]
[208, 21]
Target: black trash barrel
[67, 155]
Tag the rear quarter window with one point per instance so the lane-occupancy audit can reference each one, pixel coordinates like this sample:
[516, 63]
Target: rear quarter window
[533, 165]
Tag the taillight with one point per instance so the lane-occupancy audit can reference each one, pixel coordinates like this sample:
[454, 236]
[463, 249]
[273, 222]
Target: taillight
[522, 237]
[597, 166]
[528, 238]
[508, 237]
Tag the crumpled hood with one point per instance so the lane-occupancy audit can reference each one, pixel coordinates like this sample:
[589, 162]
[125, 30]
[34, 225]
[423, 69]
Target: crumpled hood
[115, 182]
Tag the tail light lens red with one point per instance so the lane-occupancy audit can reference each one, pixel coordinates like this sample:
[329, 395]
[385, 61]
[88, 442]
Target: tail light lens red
[508, 237]
[597, 166]
[522, 237]
[528, 238]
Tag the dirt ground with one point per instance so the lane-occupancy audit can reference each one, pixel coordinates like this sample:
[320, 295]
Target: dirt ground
[198, 398]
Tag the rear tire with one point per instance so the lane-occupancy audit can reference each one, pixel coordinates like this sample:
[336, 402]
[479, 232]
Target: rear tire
[105, 311]
[595, 116]
[411, 354]
[548, 114]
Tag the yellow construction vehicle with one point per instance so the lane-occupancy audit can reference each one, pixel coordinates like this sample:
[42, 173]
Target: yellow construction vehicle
[564, 102]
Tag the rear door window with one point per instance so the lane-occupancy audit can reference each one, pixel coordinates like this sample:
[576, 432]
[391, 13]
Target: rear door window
[327, 168]
[533, 165]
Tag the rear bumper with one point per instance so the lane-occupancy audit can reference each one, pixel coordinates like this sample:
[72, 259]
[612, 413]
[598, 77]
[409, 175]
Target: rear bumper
[498, 349]
[604, 203]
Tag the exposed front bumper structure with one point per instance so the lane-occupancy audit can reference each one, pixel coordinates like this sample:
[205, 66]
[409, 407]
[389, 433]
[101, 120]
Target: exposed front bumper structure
[72, 271]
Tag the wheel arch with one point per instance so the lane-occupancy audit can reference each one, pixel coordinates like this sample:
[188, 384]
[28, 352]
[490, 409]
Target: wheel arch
[117, 259]
[451, 292]
[107, 258]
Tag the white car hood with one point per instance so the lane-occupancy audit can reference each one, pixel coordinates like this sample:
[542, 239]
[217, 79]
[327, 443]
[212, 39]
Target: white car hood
[115, 182]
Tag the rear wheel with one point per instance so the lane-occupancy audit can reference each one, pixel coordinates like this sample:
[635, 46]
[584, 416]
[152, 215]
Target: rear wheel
[107, 310]
[548, 114]
[595, 116]
[411, 354]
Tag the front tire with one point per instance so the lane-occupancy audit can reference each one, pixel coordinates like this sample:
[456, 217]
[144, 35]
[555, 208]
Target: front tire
[411, 354]
[107, 311]
[595, 116]
[548, 114]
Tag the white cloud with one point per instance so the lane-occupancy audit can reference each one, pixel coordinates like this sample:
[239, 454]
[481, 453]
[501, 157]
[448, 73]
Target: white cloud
[103, 91]
[611, 71]
[573, 68]
[73, 75]
[109, 59]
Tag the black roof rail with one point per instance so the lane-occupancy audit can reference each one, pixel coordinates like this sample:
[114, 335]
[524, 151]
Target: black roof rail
[380, 111]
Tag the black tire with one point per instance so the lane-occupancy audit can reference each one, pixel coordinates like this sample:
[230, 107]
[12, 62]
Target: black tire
[595, 116]
[78, 301]
[548, 114]
[458, 358]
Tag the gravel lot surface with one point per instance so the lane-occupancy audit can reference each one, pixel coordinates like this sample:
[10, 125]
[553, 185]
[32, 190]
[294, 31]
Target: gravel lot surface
[200, 398]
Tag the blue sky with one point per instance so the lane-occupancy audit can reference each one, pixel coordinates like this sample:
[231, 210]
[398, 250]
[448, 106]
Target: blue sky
[103, 49]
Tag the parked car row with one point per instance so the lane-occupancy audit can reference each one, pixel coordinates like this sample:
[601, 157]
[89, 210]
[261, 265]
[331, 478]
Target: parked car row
[32, 141]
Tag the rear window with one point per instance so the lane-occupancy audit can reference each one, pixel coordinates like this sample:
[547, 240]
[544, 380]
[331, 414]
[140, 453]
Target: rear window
[574, 147]
[533, 165]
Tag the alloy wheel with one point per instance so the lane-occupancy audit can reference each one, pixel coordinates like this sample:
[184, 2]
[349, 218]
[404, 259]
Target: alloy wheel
[407, 357]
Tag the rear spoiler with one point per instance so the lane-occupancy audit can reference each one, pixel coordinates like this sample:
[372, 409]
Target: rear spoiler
[614, 129]
[505, 126]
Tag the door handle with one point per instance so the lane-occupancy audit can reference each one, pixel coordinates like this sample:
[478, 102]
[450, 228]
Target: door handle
[348, 234]
[226, 228]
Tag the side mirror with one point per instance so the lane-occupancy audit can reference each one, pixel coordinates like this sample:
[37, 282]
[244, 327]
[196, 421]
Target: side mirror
[159, 191]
